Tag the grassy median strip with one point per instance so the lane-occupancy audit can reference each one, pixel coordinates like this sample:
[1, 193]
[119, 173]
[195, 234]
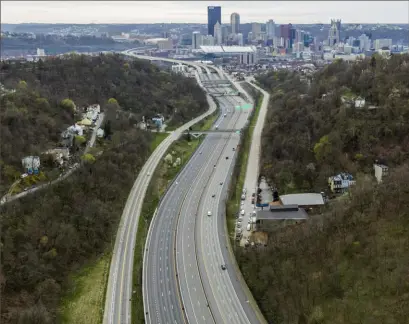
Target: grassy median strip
[161, 178]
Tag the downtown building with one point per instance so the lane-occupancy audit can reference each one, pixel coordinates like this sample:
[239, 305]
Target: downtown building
[214, 16]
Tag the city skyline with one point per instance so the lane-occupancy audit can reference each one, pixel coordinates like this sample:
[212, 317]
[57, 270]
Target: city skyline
[301, 12]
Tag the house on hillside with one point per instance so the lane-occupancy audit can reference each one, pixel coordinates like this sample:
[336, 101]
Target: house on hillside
[381, 171]
[340, 183]
[59, 155]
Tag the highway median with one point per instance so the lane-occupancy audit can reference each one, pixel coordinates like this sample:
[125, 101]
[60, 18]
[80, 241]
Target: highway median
[162, 179]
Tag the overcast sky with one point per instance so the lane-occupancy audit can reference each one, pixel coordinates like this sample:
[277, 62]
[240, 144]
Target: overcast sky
[196, 11]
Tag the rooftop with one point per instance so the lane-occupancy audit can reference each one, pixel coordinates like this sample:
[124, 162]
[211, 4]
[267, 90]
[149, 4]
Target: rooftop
[228, 49]
[302, 199]
[282, 212]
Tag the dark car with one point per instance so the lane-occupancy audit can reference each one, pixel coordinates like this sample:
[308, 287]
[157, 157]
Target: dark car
[223, 267]
[221, 183]
[227, 157]
[214, 195]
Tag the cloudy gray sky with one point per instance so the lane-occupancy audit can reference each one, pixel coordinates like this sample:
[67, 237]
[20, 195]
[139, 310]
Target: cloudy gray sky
[195, 11]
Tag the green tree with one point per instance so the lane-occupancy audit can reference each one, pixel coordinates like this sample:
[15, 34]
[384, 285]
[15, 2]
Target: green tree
[68, 104]
[88, 158]
[323, 149]
[79, 140]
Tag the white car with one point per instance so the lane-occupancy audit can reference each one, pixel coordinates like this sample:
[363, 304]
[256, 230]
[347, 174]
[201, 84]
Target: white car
[209, 213]
[242, 212]
[248, 227]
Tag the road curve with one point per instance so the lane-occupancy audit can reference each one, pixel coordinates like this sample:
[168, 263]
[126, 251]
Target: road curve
[119, 287]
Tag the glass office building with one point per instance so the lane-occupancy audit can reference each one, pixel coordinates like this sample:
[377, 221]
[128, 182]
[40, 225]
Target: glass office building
[214, 15]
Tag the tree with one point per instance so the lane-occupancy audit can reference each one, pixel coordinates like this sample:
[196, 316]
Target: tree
[79, 140]
[88, 158]
[113, 101]
[68, 104]
[107, 129]
[323, 149]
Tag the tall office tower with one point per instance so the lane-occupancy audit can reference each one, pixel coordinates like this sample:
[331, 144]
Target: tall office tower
[285, 34]
[333, 34]
[208, 40]
[256, 30]
[235, 23]
[218, 40]
[240, 39]
[338, 23]
[196, 40]
[364, 42]
[381, 43]
[225, 33]
[270, 29]
[214, 15]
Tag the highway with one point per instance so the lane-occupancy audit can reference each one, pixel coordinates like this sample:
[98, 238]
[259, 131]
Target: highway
[182, 277]
[162, 301]
[119, 287]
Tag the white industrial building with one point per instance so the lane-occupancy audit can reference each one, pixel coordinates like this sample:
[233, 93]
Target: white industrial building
[247, 54]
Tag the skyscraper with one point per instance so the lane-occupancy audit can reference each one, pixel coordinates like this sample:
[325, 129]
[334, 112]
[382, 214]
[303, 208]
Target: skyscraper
[333, 34]
[218, 37]
[235, 23]
[196, 40]
[256, 30]
[214, 15]
[270, 29]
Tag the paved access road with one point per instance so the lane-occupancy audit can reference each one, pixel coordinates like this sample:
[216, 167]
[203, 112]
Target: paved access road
[119, 287]
[253, 162]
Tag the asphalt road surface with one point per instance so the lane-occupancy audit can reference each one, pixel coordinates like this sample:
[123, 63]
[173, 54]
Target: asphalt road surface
[253, 162]
[162, 301]
[183, 279]
[119, 287]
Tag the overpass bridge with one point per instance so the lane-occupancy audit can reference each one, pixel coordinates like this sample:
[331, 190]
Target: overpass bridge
[213, 83]
[197, 134]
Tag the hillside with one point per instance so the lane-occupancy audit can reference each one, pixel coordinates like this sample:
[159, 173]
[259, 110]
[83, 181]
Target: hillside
[349, 264]
[48, 235]
[33, 118]
[310, 134]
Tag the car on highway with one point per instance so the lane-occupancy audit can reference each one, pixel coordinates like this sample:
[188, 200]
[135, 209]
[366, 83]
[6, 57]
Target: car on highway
[148, 174]
[209, 213]
[214, 195]
[240, 219]
[221, 182]
[234, 149]
[223, 267]
[242, 212]
[238, 225]
[248, 227]
[227, 157]
[225, 115]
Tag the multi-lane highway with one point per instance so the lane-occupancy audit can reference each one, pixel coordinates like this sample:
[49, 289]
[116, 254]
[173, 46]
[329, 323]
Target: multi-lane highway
[183, 279]
[119, 287]
[162, 301]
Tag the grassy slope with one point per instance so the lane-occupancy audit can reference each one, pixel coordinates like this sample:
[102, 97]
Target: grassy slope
[85, 302]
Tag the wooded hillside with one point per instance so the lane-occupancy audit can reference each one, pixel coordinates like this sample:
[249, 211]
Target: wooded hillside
[33, 117]
[47, 235]
[310, 134]
[350, 264]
